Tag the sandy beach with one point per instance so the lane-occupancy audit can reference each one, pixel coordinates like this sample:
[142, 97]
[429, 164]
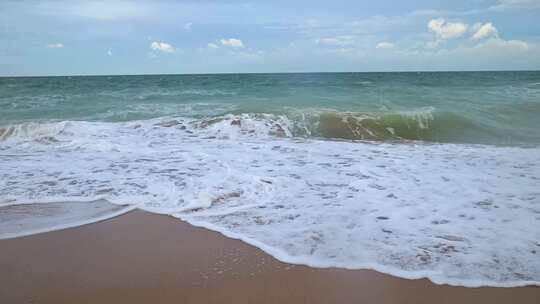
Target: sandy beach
[147, 258]
[338, 152]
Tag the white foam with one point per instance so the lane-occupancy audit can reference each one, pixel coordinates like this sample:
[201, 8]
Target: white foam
[32, 131]
[458, 214]
[252, 125]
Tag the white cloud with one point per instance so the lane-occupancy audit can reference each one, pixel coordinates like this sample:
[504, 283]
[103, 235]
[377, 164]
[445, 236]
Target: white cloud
[187, 26]
[385, 45]
[55, 45]
[447, 30]
[492, 53]
[213, 46]
[516, 4]
[109, 52]
[232, 42]
[336, 41]
[162, 46]
[482, 31]
[508, 45]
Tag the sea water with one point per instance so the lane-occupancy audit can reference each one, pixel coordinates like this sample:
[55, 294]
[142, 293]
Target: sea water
[431, 175]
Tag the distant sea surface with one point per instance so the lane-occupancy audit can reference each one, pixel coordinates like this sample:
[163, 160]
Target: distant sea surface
[415, 174]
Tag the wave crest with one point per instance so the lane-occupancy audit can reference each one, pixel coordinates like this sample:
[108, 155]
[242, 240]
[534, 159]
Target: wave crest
[366, 125]
[46, 132]
[421, 124]
[247, 124]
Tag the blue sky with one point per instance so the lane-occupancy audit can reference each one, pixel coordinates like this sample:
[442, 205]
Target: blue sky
[141, 37]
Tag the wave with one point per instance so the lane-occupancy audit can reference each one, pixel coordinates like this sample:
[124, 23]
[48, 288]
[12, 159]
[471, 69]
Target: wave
[33, 131]
[366, 125]
[157, 93]
[422, 124]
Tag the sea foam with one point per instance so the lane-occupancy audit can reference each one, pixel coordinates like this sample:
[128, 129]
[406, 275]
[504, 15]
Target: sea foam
[458, 214]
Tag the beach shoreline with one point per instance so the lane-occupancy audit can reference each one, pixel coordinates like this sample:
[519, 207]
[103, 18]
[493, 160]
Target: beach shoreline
[141, 257]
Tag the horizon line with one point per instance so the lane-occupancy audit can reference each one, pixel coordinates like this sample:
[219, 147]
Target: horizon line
[262, 73]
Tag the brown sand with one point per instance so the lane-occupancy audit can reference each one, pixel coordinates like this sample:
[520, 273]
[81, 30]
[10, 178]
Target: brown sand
[147, 258]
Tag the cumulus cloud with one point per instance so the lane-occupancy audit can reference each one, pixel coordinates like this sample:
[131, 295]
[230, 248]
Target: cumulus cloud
[489, 33]
[232, 42]
[213, 46]
[385, 45]
[162, 47]
[336, 41]
[482, 31]
[55, 45]
[447, 30]
[187, 26]
[109, 52]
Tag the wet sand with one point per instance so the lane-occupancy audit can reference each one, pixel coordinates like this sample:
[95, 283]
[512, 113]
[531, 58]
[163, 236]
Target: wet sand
[147, 258]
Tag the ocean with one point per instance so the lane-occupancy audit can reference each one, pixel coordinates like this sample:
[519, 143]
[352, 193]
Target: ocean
[418, 174]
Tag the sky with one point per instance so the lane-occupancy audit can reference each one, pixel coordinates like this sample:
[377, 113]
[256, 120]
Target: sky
[229, 36]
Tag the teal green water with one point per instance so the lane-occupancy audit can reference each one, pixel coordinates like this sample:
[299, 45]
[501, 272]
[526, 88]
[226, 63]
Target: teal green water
[469, 107]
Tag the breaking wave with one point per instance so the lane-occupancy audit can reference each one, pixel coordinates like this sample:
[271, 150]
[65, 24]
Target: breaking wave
[422, 124]
[33, 131]
[425, 124]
